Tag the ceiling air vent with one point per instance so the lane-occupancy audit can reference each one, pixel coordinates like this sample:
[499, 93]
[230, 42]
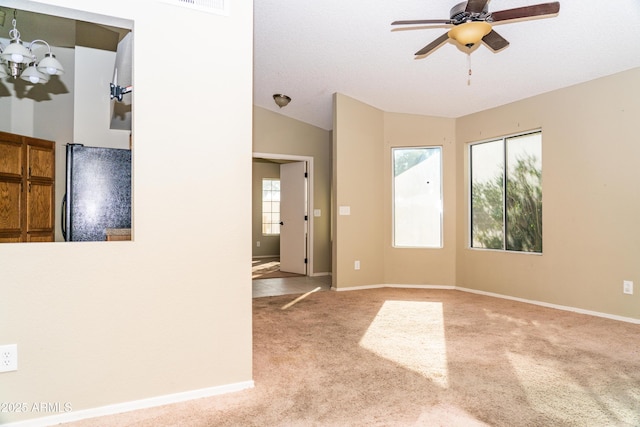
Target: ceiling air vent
[220, 7]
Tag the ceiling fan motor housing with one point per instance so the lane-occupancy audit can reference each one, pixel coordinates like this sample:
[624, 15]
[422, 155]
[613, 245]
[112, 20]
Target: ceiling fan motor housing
[459, 14]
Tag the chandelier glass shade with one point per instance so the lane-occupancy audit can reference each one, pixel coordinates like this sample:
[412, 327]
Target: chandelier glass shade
[16, 52]
[32, 75]
[19, 60]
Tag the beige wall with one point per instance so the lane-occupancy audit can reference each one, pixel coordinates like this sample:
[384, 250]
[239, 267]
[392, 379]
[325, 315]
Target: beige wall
[363, 140]
[105, 323]
[269, 245]
[591, 201]
[274, 133]
[358, 176]
[412, 265]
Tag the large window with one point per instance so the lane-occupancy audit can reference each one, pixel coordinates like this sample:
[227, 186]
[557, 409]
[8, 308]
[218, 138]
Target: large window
[417, 197]
[270, 207]
[506, 193]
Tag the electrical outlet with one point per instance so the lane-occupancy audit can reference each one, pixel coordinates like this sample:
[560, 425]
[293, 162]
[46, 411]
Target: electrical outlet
[627, 287]
[9, 358]
[258, 244]
[356, 265]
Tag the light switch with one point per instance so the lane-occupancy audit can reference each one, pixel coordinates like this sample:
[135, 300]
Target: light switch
[316, 212]
[345, 210]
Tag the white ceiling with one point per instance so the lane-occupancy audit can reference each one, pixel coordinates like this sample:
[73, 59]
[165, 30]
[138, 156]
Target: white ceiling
[312, 49]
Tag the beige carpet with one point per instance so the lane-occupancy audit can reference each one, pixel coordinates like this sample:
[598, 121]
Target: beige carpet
[269, 268]
[398, 357]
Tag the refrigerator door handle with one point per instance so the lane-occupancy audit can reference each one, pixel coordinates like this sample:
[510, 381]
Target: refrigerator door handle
[63, 217]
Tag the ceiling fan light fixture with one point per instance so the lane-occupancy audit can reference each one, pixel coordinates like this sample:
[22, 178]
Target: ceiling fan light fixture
[281, 100]
[470, 33]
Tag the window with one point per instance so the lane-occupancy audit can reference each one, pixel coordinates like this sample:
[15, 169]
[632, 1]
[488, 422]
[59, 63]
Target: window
[270, 207]
[506, 193]
[417, 197]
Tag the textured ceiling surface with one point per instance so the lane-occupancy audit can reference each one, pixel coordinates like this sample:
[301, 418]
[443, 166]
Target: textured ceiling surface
[310, 50]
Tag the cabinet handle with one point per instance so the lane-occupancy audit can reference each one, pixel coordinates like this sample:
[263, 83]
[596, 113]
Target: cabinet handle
[29, 171]
[29, 187]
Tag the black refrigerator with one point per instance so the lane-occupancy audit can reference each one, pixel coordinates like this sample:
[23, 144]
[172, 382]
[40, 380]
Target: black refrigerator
[98, 192]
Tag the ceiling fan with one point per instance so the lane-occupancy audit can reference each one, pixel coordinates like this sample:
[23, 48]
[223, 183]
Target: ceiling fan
[472, 21]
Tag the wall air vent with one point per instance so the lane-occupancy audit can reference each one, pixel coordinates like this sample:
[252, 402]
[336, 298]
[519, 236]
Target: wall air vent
[220, 7]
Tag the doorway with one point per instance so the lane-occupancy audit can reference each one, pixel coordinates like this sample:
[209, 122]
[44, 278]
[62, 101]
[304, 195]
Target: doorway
[296, 233]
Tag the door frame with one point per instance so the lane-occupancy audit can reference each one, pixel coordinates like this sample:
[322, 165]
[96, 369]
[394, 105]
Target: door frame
[309, 161]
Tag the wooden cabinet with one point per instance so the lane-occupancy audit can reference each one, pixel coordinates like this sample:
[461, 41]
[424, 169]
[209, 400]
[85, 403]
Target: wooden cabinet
[118, 234]
[27, 189]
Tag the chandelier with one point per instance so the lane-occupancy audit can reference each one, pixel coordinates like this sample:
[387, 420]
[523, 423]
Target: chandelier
[18, 60]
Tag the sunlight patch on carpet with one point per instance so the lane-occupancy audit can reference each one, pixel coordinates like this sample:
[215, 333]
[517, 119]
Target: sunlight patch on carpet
[300, 298]
[411, 334]
[554, 392]
[263, 268]
[448, 415]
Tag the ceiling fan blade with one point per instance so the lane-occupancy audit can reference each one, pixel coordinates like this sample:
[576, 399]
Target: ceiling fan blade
[433, 45]
[526, 12]
[423, 21]
[475, 6]
[495, 41]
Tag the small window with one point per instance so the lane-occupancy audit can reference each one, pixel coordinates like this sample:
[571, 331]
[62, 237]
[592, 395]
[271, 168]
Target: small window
[417, 197]
[270, 207]
[506, 193]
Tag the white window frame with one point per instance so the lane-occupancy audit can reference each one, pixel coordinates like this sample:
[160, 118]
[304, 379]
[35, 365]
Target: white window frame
[439, 245]
[504, 213]
[262, 211]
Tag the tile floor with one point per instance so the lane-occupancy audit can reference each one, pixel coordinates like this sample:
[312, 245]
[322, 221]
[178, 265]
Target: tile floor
[290, 285]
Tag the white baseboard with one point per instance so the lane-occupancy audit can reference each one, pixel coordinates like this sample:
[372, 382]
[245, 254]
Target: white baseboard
[555, 306]
[443, 287]
[357, 288]
[494, 295]
[132, 406]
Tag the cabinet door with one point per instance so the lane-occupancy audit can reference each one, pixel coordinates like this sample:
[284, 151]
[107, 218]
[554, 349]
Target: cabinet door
[10, 211]
[40, 204]
[27, 188]
[10, 155]
[41, 160]
[40, 237]
[40, 190]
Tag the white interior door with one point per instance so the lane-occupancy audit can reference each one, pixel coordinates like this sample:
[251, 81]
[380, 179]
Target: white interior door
[293, 211]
